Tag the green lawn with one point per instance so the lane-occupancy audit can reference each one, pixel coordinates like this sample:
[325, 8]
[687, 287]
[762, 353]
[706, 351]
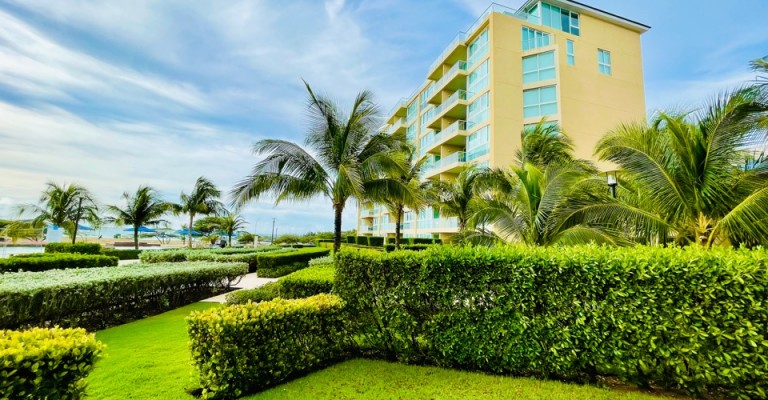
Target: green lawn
[149, 359]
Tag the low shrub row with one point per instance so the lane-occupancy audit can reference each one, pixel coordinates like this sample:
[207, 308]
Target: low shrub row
[413, 247]
[684, 319]
[266, 292]
[80, 248]
[46, 363]
[131, 254]
[275, 265]
[303, 283]
[100, 296]
[378, 241]
[245, 348]
[50, 261]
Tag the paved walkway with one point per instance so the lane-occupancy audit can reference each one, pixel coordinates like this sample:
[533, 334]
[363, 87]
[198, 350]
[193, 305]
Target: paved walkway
[248, 281]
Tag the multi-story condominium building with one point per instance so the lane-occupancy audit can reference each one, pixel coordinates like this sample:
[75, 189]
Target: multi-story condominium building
[556, 59]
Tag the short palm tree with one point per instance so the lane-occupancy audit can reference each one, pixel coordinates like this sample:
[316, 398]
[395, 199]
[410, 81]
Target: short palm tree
[544, 144]
[145, 207]
[413, 194]
[688, 170]
[203, 200]
[230, 223]
[761, 65]
[65, 206]
[454, 198]
[348, 159]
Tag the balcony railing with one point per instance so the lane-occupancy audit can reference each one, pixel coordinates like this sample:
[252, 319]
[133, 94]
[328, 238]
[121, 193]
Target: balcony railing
[458, 157]
[402, 103]
[397, 125]
[451, 222]
[438, 111]
[459, 66]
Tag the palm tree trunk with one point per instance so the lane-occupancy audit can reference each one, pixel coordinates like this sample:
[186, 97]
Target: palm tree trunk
[230, 240]
[136, 237]
[77, 220]
[337, 209]
[398, 218]
[189, 229]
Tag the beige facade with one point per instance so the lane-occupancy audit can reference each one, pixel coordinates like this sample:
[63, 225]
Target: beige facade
[564, 61]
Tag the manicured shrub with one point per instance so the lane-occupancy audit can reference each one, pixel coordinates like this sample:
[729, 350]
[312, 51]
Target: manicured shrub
[376, 241]
[689, 319]
[92, 296]
[49, 261]
[323, 242]
[46, 363]
[275, 265]
[81, 248]
[308, 282]
[361, 240]
[122, 254]
[351, 240]
[413, 247]
[327, 260]
[422, 241]
[245, 250]
[265, 292]
[244, 348]
[271, 262]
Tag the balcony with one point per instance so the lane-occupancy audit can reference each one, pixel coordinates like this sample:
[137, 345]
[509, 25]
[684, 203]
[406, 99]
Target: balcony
[451, 224]
[398, 111]
[453, 107]
[453, 79]
[397, 127]
[450, 163]
[453, 134]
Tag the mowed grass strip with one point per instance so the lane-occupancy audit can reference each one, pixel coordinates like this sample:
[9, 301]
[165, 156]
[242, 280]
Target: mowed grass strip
[146, 359]
[371, 379]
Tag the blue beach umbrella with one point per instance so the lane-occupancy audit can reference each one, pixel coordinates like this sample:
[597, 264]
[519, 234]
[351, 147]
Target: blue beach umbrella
[187, 232]
[142, 229]
[84, 228]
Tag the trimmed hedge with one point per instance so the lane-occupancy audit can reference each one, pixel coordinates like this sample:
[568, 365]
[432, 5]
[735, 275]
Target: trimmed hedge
[122, 254]
[46, 363]
[351, 240]
[376, 241]
[361, 240]
[266, 292]
[80, 248]
[319, 241]
[327, 260]
[275, 265]
[245, 348]
[271, 263]
[413, 247]
[687, 319]
[88, 296]
[48, 261]
[308, 282]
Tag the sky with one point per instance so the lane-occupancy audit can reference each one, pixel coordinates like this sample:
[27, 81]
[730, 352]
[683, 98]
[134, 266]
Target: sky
[116, 94]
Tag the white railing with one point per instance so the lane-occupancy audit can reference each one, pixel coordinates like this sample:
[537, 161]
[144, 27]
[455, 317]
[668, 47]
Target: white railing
[458, 157]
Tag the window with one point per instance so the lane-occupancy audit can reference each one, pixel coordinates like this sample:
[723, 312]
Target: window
[478, 110]
[540, 102]
[569, 51]
[411, 112]
[426, 117]
[423, 97]
[604, 61]
[478, 48]
[410, 133]
[539, 67]
[425, 141]
[559, 18]
[477, 143]
[478, 79]
[533, 39]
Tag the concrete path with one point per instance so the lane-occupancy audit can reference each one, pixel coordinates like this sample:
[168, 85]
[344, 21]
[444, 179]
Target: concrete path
[248, 281]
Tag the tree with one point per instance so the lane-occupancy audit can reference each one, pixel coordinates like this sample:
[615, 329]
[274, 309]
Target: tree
[204, 200]
[454, 198]
[20, 229]
[350, 158]
[145, 207]
[229, 224]
[761, 65]
[65, 206]
[544, 144]
[688, 170]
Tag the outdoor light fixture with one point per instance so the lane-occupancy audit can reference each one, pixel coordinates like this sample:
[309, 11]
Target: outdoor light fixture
[612, 182]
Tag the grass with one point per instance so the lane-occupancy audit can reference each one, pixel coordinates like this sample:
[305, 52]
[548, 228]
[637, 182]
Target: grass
[369, 379]
[149, 359]
[146, 359]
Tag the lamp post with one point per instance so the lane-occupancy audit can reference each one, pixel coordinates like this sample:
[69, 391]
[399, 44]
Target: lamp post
[273, 231]
[612, 182]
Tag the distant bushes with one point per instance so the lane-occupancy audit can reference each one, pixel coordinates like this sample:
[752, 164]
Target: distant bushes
[688, 319]
[80, 248]
[46, 363]
[265, 292]
[245, 348]
[413, 247]
[96, 296]
[122, 254]
[49, 261]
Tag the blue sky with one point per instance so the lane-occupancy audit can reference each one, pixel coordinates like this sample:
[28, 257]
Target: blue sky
[117, 94]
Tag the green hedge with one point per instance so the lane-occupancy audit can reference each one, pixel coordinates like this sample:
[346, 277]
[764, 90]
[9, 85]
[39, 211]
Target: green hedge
[275, 265]
[308, 282]
[81, 248]
[376, 241]
[87, 296]
[687, 319]
[361, 240]
[270, 261]
[351, 240]
[122, 254]
[46, 363]
[414, 247]
[49, 261]
[245, 348]
[318, 242]
[266, 292]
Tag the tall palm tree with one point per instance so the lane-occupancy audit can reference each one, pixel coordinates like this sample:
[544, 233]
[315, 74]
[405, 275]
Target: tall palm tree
[689, 169]
[454, 198]
[414, 192]
[544, 144]
[65, 206]
[761, 65]
[229, 224]
[203, 200]
[349, 159]
[145, 207]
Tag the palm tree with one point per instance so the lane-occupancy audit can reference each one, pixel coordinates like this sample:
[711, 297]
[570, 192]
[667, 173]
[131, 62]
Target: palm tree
[688, 170]
[229, 224]
[414, 192]
[349, 159]
[63, 205]
[454, 198]
[142, 208]
[761, 65]
[544, 144]
[204, 200]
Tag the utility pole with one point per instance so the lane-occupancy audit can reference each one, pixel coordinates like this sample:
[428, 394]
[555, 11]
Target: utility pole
[273, 231]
